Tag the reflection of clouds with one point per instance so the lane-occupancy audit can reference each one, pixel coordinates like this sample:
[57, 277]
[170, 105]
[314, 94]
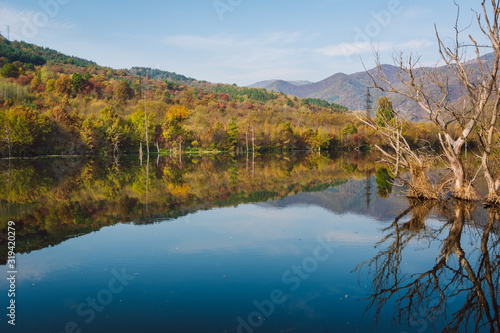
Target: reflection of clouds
[35, 266]
[303, 305]
[291, 231]
[353, 237]
[268, 230]
[310, 304]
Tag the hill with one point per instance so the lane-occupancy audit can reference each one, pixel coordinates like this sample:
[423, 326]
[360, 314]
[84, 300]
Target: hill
[55, 104]
[163, 75]
[264, 84]
[350, 90]
[36, 55]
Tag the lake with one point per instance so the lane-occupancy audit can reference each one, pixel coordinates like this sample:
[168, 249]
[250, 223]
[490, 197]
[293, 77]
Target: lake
[281, 243]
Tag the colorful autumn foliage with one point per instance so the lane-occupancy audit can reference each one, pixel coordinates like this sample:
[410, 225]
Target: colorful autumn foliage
[88, 109]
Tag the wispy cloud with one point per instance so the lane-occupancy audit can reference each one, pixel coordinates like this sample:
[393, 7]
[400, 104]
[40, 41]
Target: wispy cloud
[272, 55]
[349, 49]
[26, 24]
[235, 41]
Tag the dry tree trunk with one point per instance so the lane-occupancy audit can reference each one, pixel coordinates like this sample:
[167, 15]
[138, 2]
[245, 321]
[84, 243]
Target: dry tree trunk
[400, 156]
[487, 136]
[421, 187]
[429, 88]
[418, 89]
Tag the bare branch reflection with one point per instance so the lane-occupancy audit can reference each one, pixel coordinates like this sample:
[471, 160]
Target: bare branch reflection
[468, 276]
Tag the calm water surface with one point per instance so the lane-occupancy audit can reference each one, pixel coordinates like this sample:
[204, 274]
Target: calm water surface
[286, 244]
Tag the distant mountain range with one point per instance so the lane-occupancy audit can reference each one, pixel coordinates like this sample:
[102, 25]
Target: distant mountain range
[350, 90]
[351, 197]
[347, 90]
[265, 84]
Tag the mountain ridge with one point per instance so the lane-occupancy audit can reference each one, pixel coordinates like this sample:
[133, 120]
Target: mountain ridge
[350, 89]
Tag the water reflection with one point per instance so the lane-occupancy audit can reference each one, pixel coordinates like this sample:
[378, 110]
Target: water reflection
[465, 274]
[55, 199]
[435, 265]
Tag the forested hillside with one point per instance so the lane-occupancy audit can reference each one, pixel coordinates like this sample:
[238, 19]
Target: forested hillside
[53, 104]
[350, 90]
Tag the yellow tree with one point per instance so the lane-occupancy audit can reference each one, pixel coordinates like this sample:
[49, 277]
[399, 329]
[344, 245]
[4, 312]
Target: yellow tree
[173, 129]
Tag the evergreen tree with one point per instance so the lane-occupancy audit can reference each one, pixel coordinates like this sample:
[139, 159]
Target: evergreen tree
[233, 133]
[385, 111]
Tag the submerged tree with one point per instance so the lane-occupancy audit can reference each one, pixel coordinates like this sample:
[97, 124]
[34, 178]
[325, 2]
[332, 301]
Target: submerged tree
[399, 155]
[430, 89]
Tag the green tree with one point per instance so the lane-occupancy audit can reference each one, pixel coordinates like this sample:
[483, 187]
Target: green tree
[51, 85]
[9, 70]
[89, 133]
[23, 128]
[6, 128]
[232, 134]
[385, 111]
[77, 81]
[349, 128]
[113, 128]
[35, 83]
[320, 139]
[139, 124]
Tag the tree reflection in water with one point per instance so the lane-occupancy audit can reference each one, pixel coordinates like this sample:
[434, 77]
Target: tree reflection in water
[470, 277]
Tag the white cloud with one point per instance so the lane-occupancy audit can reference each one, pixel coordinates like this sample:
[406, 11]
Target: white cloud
[349, 49]
[234, 41]
[28, 24]
[272, 55]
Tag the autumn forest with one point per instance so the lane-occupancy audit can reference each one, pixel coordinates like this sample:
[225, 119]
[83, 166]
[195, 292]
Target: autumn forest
[53, 104]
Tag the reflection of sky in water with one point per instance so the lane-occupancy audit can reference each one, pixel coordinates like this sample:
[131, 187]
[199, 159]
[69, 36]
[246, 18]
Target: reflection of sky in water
[200, 272]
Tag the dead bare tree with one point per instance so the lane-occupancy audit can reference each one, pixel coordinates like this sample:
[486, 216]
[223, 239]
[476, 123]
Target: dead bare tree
[400, 156]
[488, 137]
[429, 88]
[487, 124]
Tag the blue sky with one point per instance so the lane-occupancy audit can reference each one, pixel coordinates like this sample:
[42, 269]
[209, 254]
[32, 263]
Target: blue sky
[237, 41]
